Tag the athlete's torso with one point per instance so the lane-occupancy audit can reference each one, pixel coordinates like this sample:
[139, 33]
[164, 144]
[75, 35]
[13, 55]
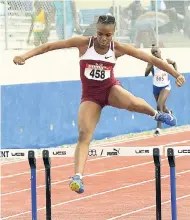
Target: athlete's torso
[96, 70]
[160, 77]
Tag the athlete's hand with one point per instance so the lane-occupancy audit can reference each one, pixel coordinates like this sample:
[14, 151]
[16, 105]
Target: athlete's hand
[19, 60]
[180, 80]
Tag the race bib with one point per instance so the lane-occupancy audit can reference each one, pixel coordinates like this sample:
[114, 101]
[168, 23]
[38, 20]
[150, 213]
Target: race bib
[38, 27]
[97, 72]
[160, 78]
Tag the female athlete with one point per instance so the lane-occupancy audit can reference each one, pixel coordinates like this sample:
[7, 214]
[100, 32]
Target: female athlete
[99, 86]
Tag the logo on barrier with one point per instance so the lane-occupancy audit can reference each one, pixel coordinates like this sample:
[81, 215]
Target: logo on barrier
[142, 151]
[92, 152]
[59, 153]
[4, 153]
[18, 154]
[184, 151]
[115, 152]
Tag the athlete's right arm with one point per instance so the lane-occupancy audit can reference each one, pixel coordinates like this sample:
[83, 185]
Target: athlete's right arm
[77, 42]
[148, 69]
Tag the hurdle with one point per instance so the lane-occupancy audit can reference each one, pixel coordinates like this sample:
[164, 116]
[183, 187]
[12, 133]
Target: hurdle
[47, 164]
[30, 155]
[32, 163]
[171, 153]
[156, 156]
[104, 152]
[171, 161]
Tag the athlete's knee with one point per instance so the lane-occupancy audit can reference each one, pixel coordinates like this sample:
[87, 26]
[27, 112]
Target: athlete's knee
[84, 135]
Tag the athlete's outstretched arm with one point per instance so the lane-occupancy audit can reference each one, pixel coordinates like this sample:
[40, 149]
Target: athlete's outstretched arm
[148, 69]
[139, 54]
[44, 48]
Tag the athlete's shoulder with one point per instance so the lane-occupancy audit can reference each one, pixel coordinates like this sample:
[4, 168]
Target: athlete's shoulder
[123, 48]
[80, 40]
[116, 44]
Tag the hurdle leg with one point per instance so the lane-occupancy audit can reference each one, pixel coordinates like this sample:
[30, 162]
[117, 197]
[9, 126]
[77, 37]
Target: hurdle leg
[171, 160]
[32, 163]
[47, 164]
[156, 156]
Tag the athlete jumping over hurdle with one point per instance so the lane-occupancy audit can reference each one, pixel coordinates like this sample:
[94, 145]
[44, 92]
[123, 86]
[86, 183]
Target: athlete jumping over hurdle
[161, 84]
[99, 86]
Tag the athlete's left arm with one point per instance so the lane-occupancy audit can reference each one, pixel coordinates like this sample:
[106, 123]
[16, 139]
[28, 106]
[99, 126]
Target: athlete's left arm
[128, 49]
[173, 63]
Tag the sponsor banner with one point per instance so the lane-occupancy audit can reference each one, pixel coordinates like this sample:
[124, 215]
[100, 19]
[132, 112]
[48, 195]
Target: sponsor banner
[105, 151]
[93, 152]
[127, 151]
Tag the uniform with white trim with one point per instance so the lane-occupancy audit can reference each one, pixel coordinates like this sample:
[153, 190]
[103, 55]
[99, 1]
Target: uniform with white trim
[97, 75]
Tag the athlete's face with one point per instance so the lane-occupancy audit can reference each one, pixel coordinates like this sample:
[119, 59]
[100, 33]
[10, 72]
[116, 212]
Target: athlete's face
[156, 52]
[105, 34]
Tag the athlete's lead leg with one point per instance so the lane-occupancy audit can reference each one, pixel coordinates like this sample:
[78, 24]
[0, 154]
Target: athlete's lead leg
[122, 99]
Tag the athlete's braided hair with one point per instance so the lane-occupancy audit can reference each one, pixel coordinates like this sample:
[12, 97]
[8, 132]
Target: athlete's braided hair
[106, 19]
